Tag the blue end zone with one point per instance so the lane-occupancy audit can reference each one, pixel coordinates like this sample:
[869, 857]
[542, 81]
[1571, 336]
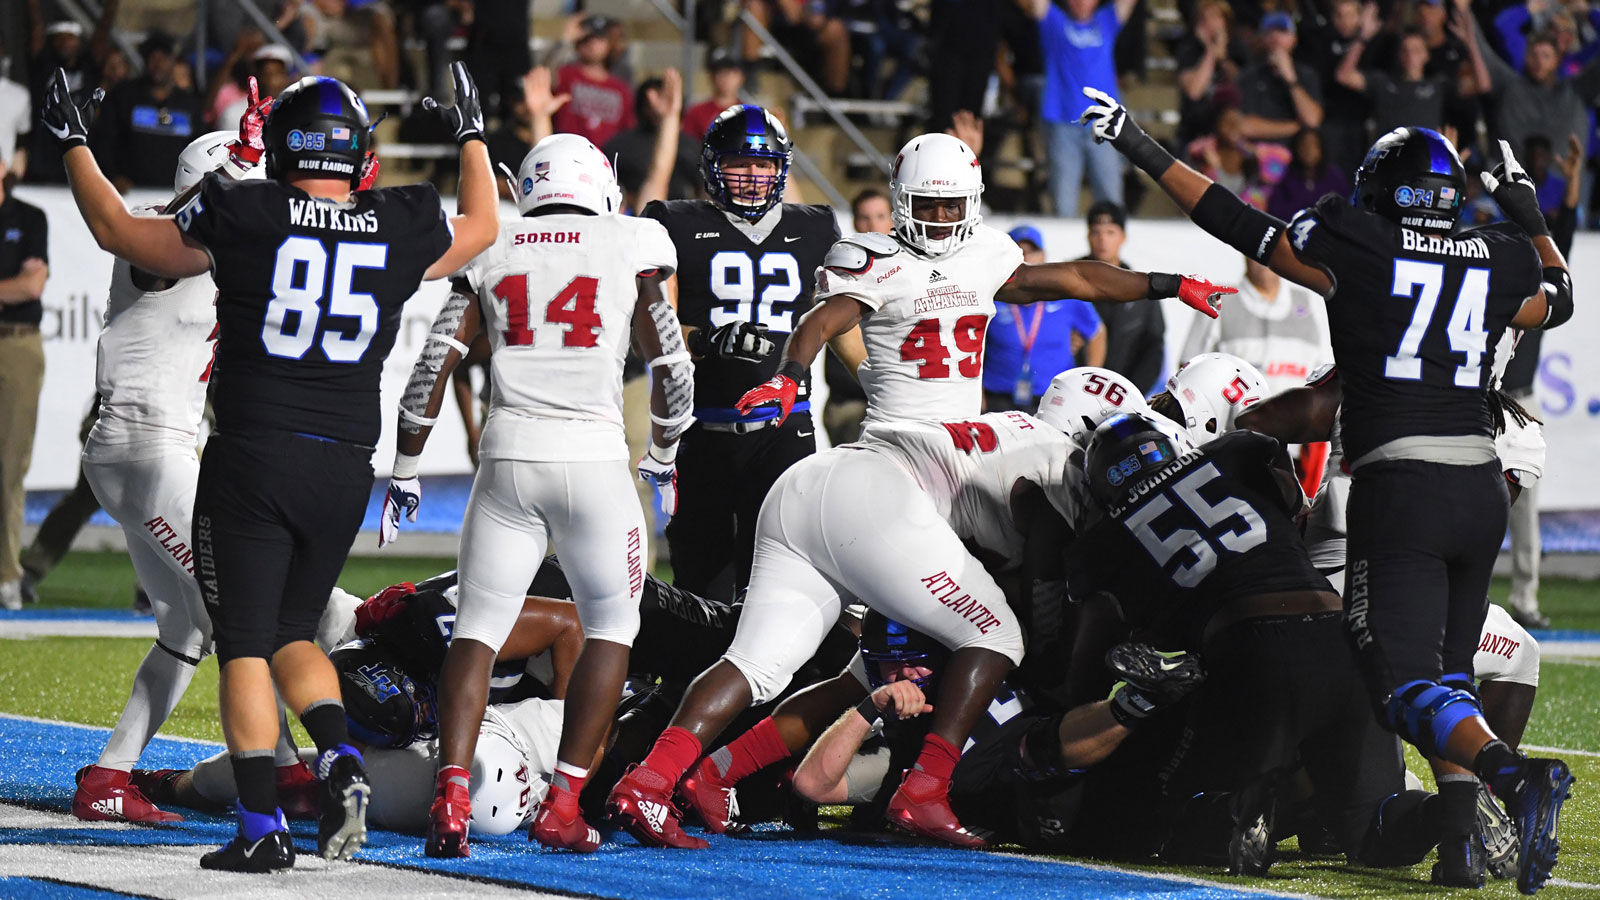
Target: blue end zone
[47, 889]
[769, 863]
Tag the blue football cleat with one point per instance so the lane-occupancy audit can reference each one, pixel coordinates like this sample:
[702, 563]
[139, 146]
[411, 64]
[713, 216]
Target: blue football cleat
[1535, 805]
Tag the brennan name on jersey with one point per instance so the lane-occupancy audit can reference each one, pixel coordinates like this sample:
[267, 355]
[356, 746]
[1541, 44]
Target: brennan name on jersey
[1469, 247]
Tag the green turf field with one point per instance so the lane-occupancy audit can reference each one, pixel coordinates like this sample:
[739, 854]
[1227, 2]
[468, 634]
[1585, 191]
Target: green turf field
[86, 680]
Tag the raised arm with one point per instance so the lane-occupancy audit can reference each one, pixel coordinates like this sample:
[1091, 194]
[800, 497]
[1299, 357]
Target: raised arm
[1518, 198]
[1125, 10]
[1214, 208]
[1100, 282]
[1465, 28]
[667, 103]
[478, 204]
[1038, 9]
[1302, 415]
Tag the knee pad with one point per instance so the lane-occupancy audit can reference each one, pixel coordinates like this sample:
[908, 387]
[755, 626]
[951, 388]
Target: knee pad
[1460, 681]
[1425, 712]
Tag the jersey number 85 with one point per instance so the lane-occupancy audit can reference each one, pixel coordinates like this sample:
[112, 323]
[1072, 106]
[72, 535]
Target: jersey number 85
[304, 295]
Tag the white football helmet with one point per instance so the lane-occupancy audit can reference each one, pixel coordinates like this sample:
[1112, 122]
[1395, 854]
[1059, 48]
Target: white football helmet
[1078, 400]
[203, 155]
[1212, 389]
[935, 165]
[567, 169]
[503, 788]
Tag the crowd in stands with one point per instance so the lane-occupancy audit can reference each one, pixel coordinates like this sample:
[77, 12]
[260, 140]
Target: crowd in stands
[1277, 99]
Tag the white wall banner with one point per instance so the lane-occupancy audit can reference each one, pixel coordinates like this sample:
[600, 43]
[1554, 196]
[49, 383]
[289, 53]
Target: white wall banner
[74, 300]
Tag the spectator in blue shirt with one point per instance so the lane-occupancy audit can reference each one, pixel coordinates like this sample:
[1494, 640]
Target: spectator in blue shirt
[1029, 345]
[1078, 45]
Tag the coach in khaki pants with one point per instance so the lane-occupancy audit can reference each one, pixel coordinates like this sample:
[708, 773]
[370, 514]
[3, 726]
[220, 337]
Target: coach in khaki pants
[23, 269]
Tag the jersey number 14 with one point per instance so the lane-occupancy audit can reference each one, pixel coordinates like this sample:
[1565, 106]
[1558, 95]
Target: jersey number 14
[573, 306]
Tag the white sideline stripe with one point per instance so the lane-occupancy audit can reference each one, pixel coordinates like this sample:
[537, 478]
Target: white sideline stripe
[1582, 886]
[171, 872]
[1559, 751]
[22, 629]
[1164, 876]
[169, 737]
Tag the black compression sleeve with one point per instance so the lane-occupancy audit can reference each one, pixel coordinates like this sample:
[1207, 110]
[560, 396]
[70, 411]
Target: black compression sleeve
[1241, 226]
[1557, 295]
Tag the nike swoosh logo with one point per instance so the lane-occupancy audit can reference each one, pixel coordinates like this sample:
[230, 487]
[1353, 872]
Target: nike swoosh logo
[804, 433]
[1167, 666]
[790, 240]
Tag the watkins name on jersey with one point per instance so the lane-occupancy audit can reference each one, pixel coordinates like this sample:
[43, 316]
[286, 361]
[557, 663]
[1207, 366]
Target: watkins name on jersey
[318, 214]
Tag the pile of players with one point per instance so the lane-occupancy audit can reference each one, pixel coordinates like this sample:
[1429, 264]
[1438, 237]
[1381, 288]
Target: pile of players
[1108, 629]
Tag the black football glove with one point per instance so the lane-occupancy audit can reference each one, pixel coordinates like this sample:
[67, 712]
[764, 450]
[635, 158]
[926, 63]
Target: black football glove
[465, 118]
[1516, 193]
[65, 119]
[744, 341]
[1110, 123]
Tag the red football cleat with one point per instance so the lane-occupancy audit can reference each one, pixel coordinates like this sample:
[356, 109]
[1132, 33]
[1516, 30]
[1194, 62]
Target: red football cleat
[298, 796]
[703, 793]
[642, 804]
[559, 824]
[107, 795]
[922, 807]
[448, 821]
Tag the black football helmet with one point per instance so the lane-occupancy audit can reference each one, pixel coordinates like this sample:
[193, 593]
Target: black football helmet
[318, 127]
[384, 706]
[883, 640]
[748, 131]
[1413, 177]
[1125, 450]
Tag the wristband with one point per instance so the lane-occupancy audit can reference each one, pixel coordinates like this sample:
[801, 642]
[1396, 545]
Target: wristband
[1163, 285]
[700, 343]
[665, 455]
[868, 710]
[1128, 706]
[405, 466]
[792, 370]
[1143, 151]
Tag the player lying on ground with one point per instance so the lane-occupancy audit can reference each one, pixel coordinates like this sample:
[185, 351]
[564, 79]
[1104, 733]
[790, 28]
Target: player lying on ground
[923, 296]
[881, 522]
[1428, 501]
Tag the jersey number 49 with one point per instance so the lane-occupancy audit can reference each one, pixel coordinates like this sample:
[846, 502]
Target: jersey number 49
[926, 347]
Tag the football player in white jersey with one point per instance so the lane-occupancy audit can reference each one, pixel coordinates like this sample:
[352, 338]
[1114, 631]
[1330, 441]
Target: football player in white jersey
[153, 366]
[880, 522]
[561, 294]
[924, 295]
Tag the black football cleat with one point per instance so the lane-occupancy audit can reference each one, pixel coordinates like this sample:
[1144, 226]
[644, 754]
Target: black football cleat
[1534, 804]
[262, 845]
[1161, 677]
[1499, 835]
[342, 828]
[1251, 850]
[1462, 861]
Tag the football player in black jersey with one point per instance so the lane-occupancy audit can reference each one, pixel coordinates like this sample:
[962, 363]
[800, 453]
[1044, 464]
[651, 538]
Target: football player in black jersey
[747, 266]
[311, 276]
[1415, 310]
[1200, 551]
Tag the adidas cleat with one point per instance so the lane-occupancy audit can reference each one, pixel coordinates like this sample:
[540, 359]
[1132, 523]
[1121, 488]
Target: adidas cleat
[109, 795]
[342, 828]
[642, 804]
[703, 794]
[449, 820]
[921, 807]
[262, 845]
[559, 824]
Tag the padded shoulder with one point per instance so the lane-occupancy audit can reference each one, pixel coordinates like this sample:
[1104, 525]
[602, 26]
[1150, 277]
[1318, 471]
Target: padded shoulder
[856, 252]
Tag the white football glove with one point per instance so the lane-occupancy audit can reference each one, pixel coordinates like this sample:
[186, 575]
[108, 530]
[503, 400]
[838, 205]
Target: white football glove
[404, 493]
[1105, 117]
[664, 475]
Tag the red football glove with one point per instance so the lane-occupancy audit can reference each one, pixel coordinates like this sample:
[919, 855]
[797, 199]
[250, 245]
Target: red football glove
[1200, 294]
[780, 389]
[248, 148]
[382, 606]
[369, 171]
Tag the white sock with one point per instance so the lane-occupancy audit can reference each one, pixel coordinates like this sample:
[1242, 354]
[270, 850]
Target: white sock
[158, 685]
[213, 779]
